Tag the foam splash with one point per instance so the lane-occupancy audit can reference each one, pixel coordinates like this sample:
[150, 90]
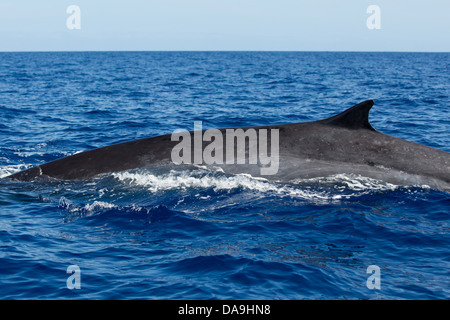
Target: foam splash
[351, 182]
[334, 187]
[188, 180]
[11, 169]
[99, 209]
[89, 209]
[202, 179]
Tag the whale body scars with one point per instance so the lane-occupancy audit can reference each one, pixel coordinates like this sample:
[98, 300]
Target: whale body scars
[345, 143]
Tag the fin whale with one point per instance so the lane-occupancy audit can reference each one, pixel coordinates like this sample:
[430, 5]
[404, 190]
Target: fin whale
[344, 143]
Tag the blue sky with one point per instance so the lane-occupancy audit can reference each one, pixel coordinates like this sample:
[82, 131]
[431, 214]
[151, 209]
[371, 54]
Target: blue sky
[322, 25]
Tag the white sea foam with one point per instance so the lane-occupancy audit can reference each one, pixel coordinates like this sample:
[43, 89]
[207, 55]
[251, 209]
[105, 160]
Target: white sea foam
[11, 169]
[194, 180]
[86, 210]
[26, 154]
[98, 205]
[334, 187]
[352, 182]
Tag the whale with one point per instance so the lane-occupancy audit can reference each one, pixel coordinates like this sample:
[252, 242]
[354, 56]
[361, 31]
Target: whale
[345, 143]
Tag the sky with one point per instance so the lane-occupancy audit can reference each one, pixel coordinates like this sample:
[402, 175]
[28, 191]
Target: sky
[221, 25]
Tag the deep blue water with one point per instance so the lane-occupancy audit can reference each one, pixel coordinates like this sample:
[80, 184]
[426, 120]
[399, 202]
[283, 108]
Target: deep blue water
[203, 234]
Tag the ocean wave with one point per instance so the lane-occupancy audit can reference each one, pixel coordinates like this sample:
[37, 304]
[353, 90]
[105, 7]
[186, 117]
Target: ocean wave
[100, 209]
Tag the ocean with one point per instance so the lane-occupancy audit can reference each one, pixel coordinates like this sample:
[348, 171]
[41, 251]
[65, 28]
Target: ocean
[203, 234]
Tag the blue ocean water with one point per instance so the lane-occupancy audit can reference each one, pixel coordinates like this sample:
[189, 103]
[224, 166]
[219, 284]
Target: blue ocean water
[203, 234]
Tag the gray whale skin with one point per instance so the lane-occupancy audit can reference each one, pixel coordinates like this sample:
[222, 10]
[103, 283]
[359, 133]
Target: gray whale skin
[343, 144]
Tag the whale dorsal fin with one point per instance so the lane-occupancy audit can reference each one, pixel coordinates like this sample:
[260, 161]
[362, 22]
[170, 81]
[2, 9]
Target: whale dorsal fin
[357, 117]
